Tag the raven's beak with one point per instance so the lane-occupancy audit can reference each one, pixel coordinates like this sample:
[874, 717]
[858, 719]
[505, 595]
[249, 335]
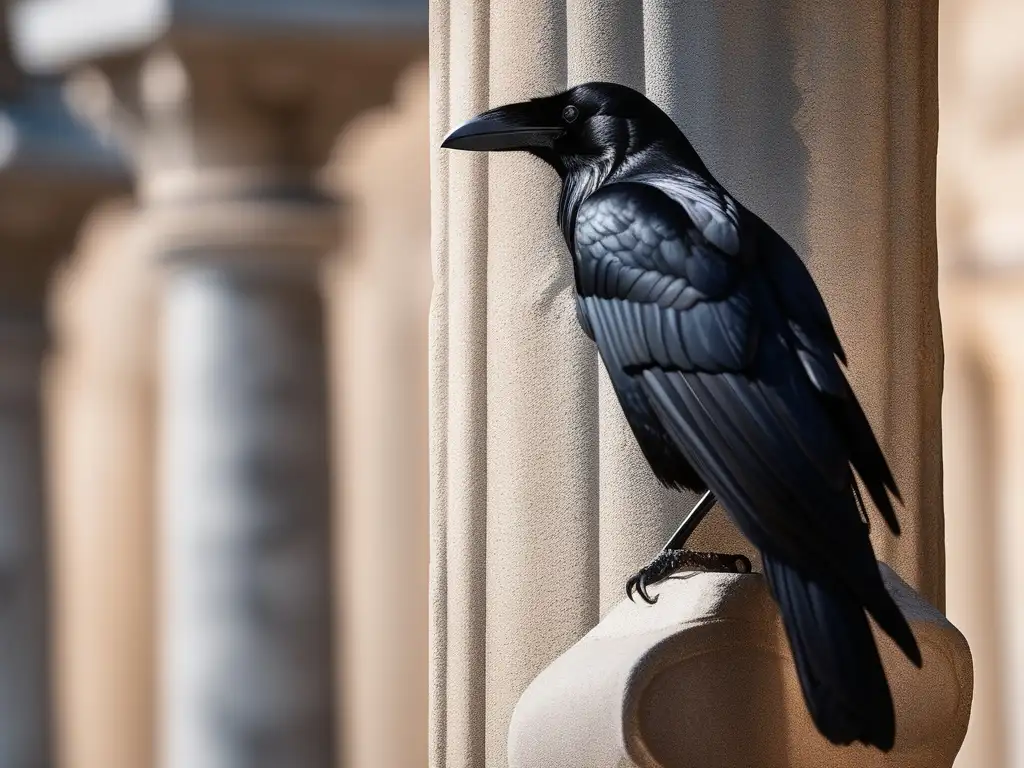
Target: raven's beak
[503, 129]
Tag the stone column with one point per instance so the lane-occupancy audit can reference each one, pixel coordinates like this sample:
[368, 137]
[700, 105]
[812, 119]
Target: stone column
[246, 533]
[247, 552]
[102, 403]
[1000, 316]
[231, 111]
[842, 165]
[379, 306]
[52, 172]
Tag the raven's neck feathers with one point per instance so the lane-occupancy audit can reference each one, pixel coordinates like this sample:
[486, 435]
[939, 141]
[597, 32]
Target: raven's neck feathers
[582, 176]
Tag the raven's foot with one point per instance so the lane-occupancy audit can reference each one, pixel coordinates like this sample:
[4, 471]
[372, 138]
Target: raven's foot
[672, 560]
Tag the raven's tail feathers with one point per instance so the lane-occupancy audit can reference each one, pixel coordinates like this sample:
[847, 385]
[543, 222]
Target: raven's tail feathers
[836, 658]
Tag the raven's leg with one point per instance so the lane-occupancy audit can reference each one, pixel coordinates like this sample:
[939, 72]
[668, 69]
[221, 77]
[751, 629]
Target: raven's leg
[673, 556]
[691, 521]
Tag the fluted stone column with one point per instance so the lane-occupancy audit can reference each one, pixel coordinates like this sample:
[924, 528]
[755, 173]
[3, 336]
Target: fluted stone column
[820, 126]
[231, 109]
[52, 172]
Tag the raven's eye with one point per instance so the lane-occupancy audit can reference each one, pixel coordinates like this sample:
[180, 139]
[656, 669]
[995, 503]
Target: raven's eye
[570, 113]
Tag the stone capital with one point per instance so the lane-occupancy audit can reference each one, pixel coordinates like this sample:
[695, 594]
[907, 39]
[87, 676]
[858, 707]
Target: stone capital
[230, 110]
[706, 679]
[196, 88]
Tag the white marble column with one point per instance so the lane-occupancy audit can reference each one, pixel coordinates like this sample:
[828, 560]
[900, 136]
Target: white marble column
[539, 492]
[246, 534]
[52, 171]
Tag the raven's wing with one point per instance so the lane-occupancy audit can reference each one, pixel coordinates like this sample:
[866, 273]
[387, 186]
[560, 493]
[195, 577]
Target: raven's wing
[674, 299]
[818, 346]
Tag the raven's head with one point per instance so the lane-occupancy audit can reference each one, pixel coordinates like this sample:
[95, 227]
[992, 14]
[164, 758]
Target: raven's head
[587, 122]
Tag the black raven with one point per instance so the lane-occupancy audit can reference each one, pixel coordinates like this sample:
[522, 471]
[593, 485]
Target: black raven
[727, 366]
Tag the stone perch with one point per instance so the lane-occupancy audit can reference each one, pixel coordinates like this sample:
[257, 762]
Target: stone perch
[705, 679]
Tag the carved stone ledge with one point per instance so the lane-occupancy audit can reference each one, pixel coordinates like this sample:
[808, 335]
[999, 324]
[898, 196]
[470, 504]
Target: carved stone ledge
[706, 679]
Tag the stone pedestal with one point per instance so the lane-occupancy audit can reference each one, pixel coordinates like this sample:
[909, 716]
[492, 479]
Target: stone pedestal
[652, 687]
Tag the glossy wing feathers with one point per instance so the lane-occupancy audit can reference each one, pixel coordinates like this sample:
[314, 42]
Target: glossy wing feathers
[817, 347]
[660, 293]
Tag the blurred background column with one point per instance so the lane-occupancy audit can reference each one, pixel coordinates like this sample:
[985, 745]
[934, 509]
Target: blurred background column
[100, 394]
[981, 248]
[378, 305]
[230, 110]
[52, 172]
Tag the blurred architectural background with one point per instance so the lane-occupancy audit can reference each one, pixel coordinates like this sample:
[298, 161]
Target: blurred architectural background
[257, 129]
[981, 284]
[236, 467]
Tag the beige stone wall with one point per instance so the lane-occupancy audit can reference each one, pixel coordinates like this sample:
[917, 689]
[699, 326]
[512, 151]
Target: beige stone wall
[981, 247]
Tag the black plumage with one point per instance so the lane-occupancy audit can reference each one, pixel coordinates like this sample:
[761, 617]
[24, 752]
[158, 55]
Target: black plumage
[728, 369]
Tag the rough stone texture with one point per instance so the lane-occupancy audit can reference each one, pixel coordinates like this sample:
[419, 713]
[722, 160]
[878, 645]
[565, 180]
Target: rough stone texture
[820, 126]
[652, 688]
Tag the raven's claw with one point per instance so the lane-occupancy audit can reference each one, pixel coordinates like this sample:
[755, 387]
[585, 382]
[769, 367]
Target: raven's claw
[638, 583]
[672, 560]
